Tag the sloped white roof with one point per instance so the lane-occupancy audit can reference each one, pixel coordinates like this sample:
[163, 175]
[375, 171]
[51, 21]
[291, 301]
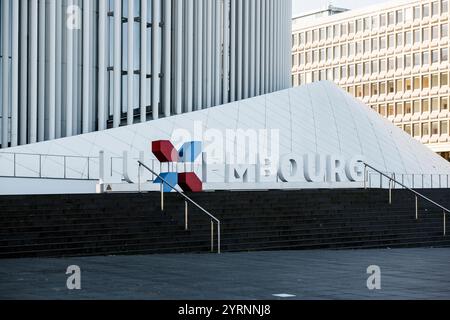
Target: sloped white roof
[315, 118]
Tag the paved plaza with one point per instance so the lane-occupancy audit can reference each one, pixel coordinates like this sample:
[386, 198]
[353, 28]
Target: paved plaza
[405, 274]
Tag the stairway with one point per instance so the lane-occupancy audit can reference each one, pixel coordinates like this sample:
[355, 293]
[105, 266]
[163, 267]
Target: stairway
[116, 224]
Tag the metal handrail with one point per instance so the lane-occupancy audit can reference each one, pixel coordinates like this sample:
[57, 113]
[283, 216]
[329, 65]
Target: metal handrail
[164, 181]
[417, 194]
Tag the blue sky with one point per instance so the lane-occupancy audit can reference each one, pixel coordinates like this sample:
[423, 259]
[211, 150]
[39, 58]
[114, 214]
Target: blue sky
[300, 6]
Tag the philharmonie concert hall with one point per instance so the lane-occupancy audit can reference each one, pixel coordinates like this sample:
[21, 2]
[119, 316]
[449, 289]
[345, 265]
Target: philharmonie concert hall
[150, 126]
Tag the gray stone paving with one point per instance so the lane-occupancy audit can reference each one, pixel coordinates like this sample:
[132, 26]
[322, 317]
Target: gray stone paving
[405, 274]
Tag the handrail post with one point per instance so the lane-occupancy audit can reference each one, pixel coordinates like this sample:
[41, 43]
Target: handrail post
[212, 236]
[219, 250]
[162, 197]
[186, 216]
[445, 227]
[365, 176]
[417, 208]
[139, 178]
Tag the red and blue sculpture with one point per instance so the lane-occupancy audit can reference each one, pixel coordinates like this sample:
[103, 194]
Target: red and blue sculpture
[165, 152]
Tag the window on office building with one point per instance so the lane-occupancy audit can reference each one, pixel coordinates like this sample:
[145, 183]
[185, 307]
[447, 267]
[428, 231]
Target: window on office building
[374, 89]
[374, 66]
[444, 127]
[336, 30]
[351, 70]
[322, 56]
[435, 105]
[359, 48]
[344, 72]
[425, 82]
[435, 80]
[407, 128]
[444, 30]
[425, 129]
[322, 34]
[444, 103]
[367, 68]
[374, 22]
[359, 92]
[425, 10]
[302, 38]
[316, 35]
[444, 54]
[359, 25]
[390, 86]
[359, 69]
[425, 105]
[399, 16]
[383, 65]
[343, 50]
[416, 130]
[329, 33]
[374, 44]
[366, 90]
[351, 49]
[383, 20]
[407, 107]
[407, 61]
[399, 62]
[390, 110]
[351, 27]
[329, 53]
[382, 88]
[444, 6]
[417, 13]
[416, 59]
[382, 109]
[435, 128]
[302, 58]
[417, 36]
[399, 37]
[399, 85]
[434, 56]
[444, 79]
[408, 84]
[416, 83]
[315, 56]
[416, 106]
[435, 33]
[391, 64]
[391, 18]
[399, 109]
[435, 8]
[344, 29]
[366, 24]
[391, 41]
[336, 73]
[425, 34]
[409, 15]
[408, 38]
[336, 52]
[382, 43]
[366, 46]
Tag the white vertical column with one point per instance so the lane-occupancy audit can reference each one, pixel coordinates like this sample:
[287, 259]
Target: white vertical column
[117, 63]
[102, 72]
[239, 46]
[198, 55]
[252, 34]
[15, 75]
[33, 71]
[204, 53]
[23, 71]
[52, 71]
[218, 52]
[246, 48]
[258, 48]
[70, 74]
[143, 72]
[289, 31]
[130, 74]
[5, 76]
[41, 72]
[156, 57]
[178, 73]
[167, 57]
[86, 65]
[209, 45]
[226, 50]
[233, 51]
[271, 73]
[189, 76]
[58, 71]
[263, 46]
